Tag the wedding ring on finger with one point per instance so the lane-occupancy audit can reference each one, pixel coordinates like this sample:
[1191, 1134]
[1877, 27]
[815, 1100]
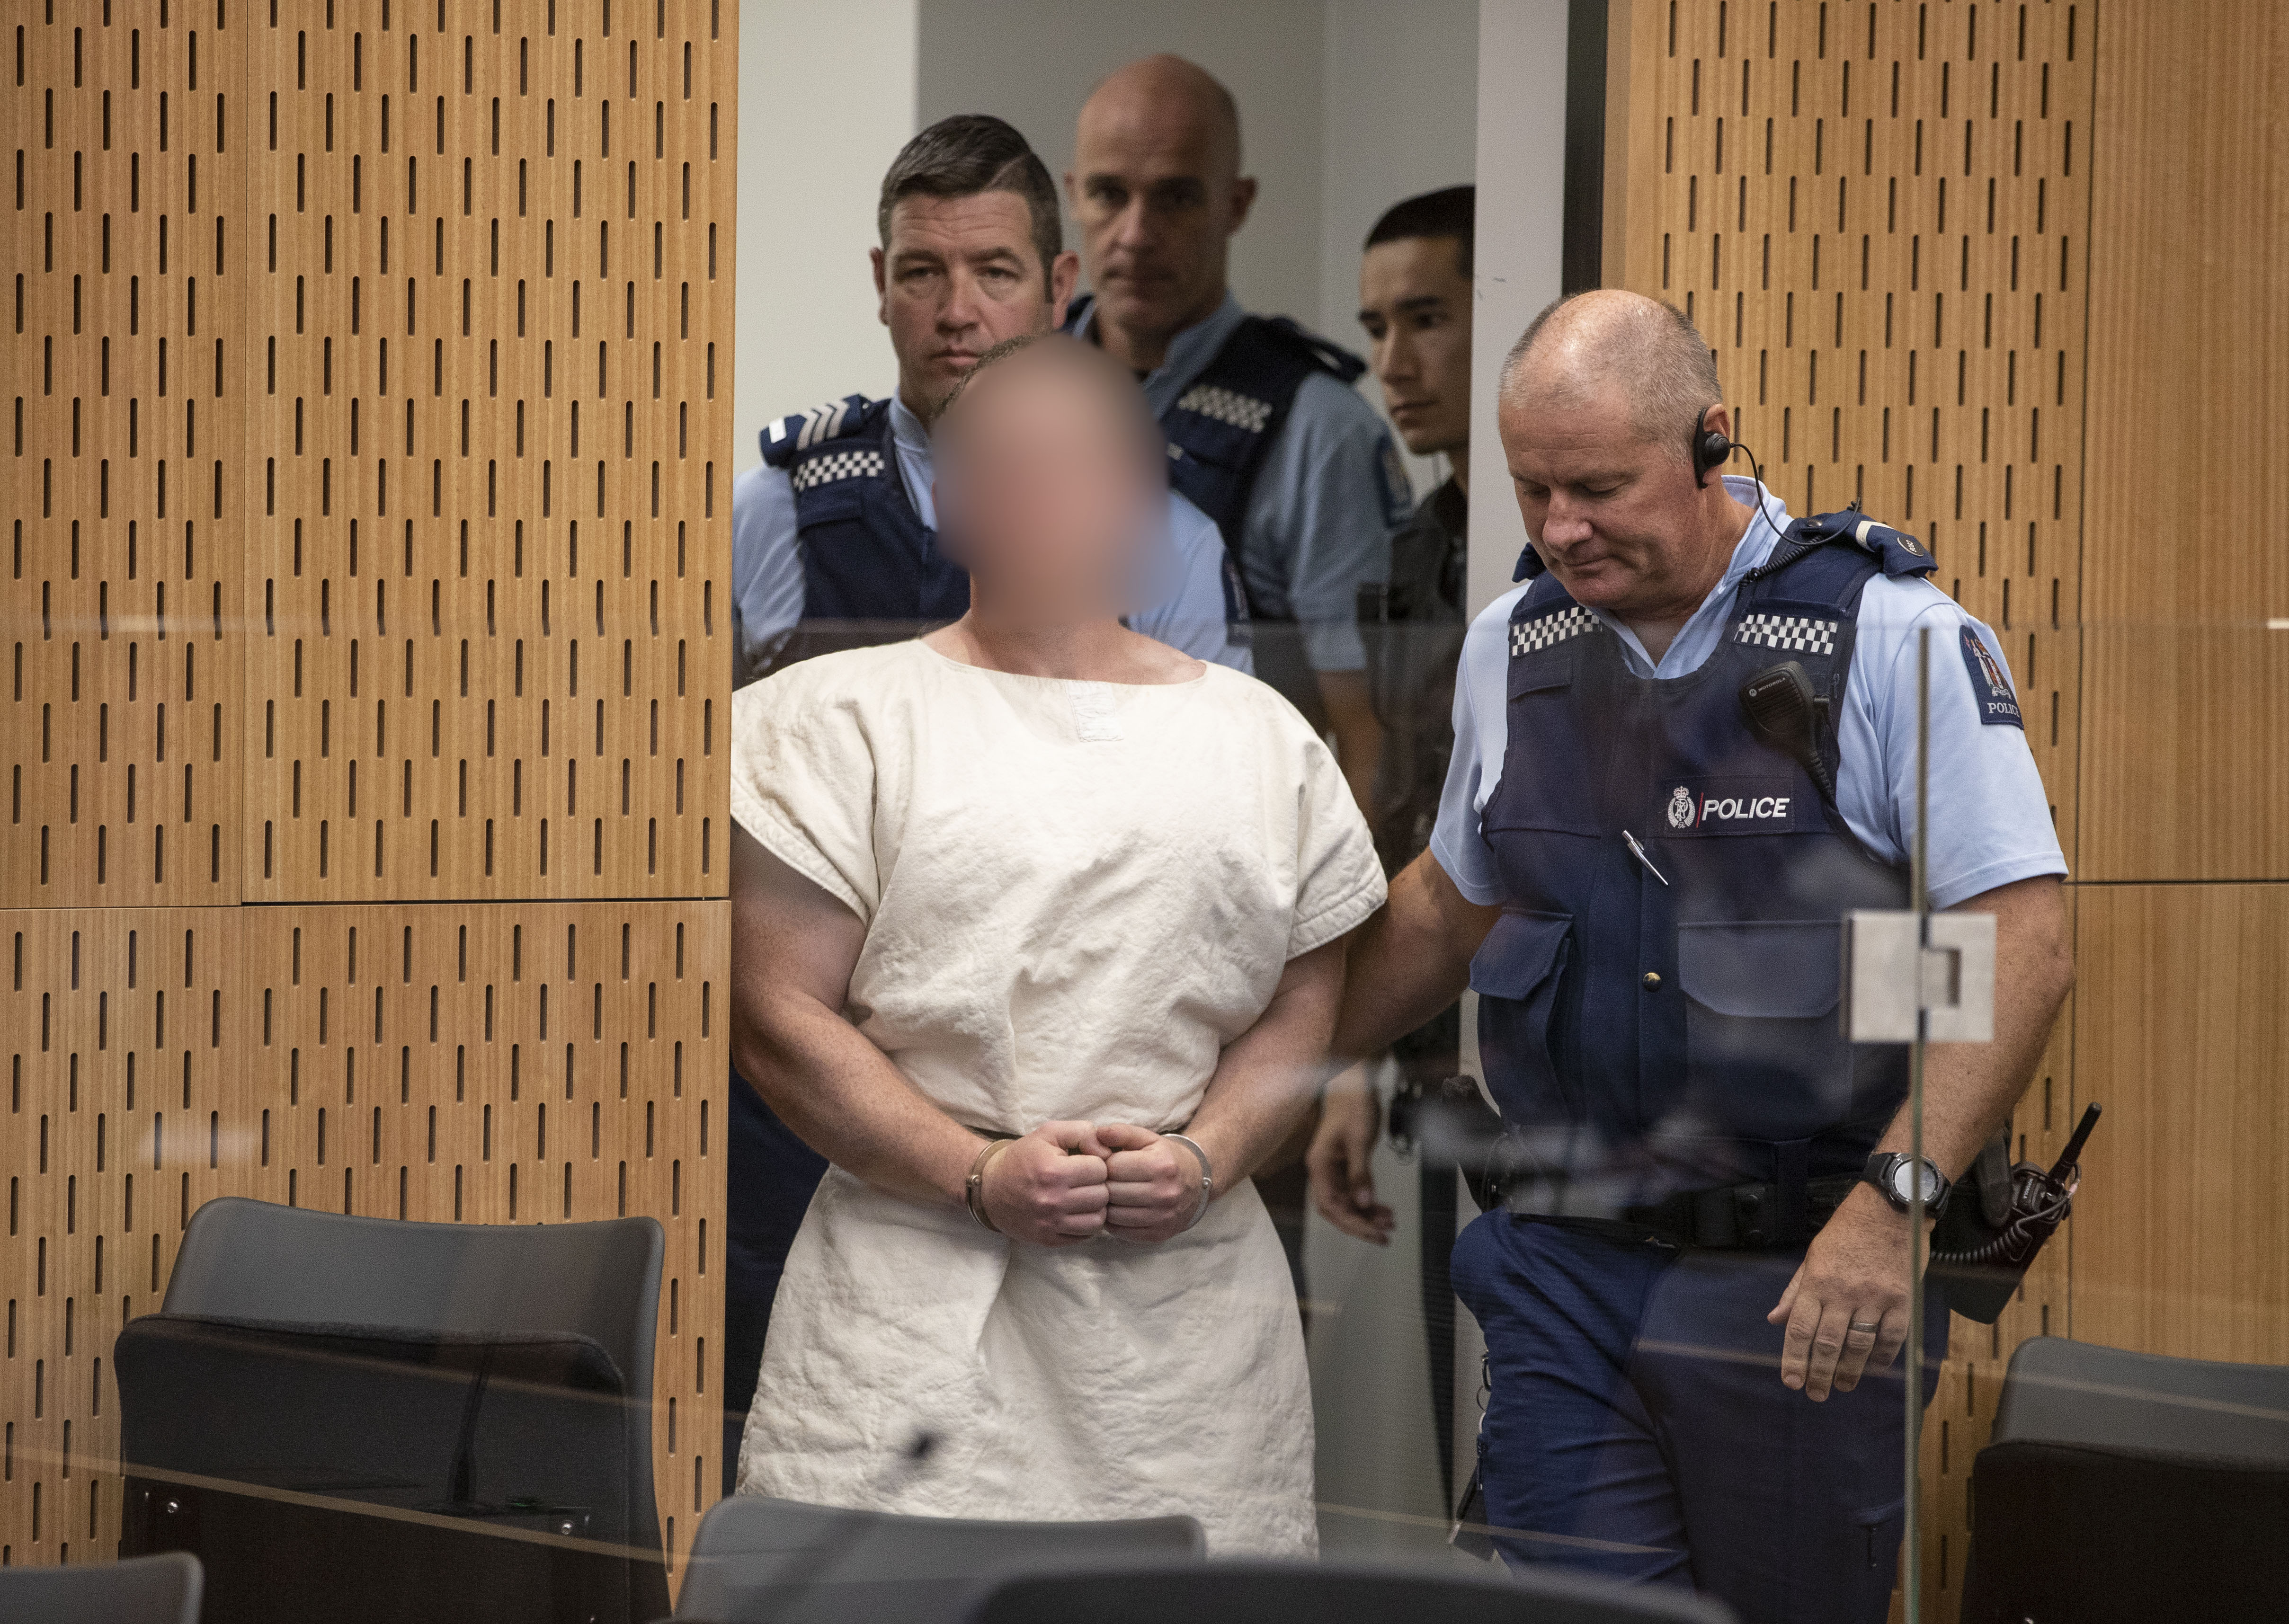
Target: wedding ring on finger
[1865, 1328]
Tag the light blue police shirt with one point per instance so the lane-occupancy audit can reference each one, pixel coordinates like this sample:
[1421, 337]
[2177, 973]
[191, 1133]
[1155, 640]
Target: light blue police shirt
[1328, 495]
[1990, 822]
[766, 592]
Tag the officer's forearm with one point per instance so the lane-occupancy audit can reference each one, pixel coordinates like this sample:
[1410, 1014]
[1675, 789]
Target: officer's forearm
[1409, 961]
[1359, 735]
[1970, 1088]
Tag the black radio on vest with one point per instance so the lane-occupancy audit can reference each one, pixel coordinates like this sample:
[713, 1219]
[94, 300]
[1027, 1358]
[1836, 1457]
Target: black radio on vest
[1655, 1039]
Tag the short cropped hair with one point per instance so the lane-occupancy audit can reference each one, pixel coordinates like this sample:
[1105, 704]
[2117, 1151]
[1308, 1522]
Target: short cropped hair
[966, 155]
[1452, 211]
[1665, 369]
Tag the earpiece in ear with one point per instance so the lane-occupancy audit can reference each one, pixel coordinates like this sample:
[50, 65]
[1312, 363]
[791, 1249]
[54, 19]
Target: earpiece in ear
[1711, 450]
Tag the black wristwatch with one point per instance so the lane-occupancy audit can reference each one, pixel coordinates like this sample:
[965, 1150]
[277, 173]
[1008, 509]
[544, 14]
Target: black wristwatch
[1890, 1172]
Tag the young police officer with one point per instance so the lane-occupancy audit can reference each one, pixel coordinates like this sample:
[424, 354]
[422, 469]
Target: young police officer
[1265, 431]
[1415, 306]
[1702, 1248]
[833, 547]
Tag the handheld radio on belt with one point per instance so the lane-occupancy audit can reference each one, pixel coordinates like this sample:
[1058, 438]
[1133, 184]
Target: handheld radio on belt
[1981, 1248]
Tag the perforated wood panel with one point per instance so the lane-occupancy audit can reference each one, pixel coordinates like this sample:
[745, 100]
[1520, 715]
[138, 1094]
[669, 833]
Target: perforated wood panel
[2187, 770]
[505, 1064]
[491, 259]
[119, 1031]
[126, 280]
[367, 548]
[472, 1064]
[1876, 212]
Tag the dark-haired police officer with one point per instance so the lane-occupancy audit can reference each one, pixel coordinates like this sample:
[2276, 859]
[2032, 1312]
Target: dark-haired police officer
[1696, 1286]
[1415, 308]
[833, 547]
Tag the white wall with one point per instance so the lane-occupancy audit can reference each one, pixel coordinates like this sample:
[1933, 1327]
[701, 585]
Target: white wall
[1346, 106]
[827, 98]
[1399, 116]
[1522, 169]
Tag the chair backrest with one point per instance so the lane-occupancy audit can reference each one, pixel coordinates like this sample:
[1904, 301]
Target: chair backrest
[452, 1368]
[2058, 1391]
[1248, 1591]
[757, 1560]
[252, 1259]
[163, 1589]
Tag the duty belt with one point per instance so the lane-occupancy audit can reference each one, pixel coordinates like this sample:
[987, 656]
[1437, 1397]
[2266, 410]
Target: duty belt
[1745, 1217]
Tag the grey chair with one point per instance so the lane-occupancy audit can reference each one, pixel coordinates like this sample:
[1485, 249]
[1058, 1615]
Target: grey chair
[143, 1590]
[761, 1561]
[2128, 1485]
[1250, 1591]
[367, 1419]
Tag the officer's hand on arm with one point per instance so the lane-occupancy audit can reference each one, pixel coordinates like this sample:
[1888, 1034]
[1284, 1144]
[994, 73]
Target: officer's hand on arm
[1408, 962]
[1846, 1307]
[1340, 1160]
[1049, 1187]
[1359, 735]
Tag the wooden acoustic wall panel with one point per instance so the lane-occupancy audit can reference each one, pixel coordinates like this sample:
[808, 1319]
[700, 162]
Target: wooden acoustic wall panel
[487, 369]
[121, 1030]
[533, 1064]
[494, 1064]
[126, 265]
[2186, 771]
[2181, 1246]
[1962, 1411]
[1875, 212]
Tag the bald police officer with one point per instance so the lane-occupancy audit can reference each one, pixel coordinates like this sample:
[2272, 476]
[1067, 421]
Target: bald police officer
[1695, 1287]
[1265, 432]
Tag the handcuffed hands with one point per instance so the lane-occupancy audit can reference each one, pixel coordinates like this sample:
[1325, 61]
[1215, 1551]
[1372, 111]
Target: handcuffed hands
[1070, 1181]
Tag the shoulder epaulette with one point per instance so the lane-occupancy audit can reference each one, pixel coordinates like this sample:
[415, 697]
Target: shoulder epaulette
[1323, 354]
[1899, 553]
[785, 437]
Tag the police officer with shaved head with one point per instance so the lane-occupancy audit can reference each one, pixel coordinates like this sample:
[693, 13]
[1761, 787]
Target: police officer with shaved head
[1265, 433]
[1694, 1284]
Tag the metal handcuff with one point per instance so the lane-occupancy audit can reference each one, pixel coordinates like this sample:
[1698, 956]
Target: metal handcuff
[973, 1189]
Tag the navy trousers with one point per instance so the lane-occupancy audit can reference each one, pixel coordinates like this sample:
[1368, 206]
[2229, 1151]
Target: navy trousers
[769, 1176]
[1636, 1427]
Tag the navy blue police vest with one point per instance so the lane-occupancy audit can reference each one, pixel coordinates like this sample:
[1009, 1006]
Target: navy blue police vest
[1649, 1034]
[1219, 432]
[1222, 426]
[871, 570]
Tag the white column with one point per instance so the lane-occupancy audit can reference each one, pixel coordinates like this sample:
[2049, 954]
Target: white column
[827, 98]
[1522, 215]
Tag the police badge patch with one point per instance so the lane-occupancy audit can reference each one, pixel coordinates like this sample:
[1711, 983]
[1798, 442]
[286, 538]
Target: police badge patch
[1990, 684]
[1733, 806]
